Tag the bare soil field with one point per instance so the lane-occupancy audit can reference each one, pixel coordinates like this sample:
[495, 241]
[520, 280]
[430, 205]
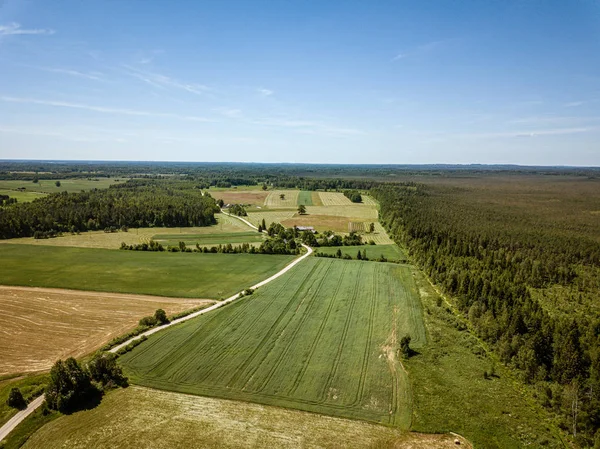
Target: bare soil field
[254, 197]
[39, 325]
[144, 418]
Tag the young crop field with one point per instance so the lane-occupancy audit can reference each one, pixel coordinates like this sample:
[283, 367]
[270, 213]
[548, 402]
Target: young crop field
[209, 239]
[290, 199]
[253, 197]
[307, 198]
[43, 325]
[143, 418]
[334, 199]
[390, 252]
[323, 338]
[188, 275]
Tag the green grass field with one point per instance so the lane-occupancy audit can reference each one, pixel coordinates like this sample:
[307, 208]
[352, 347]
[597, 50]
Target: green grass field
[44, 186]
[390, 252]
[322, 338]
[188, 275]
[305, 198]
[209, 239]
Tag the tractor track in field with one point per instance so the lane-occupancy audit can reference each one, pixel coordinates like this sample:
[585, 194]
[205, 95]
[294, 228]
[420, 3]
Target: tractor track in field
[19, 417]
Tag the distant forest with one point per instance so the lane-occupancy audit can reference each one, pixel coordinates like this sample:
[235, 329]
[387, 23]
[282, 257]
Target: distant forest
[503, 253]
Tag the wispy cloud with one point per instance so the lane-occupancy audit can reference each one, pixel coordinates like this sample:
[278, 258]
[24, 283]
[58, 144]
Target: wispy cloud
[14, 28]
[92, 76]
[229, 112]
[308, 126]
[162, 81]
[548, 120]
[574, 104]
[265, 92]
[511, 134]
[421, 49]
[102, 109]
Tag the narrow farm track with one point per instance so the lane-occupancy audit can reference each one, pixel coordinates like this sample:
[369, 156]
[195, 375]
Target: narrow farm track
[19, 417]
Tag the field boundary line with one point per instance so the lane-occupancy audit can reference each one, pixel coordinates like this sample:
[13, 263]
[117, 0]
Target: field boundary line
[219, 304]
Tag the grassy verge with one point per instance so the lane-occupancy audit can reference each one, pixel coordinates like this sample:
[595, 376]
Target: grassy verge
[188, 275]
[390, 252]
[31, 386]
[451, 393]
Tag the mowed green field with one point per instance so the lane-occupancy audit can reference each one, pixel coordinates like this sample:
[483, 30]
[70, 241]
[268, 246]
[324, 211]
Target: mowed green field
[189, 275]
[323, 338]
[305, 198]
[390, 252]
[209, 239]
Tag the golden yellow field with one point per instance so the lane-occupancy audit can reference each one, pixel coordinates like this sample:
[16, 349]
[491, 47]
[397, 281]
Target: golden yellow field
[39, 326]
[290, 200]
[254, 197]
[380, 237]
[112, 240]
[269, 216]
[143, 418]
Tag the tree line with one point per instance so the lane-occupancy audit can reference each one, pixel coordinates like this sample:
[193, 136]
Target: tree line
[133, 204]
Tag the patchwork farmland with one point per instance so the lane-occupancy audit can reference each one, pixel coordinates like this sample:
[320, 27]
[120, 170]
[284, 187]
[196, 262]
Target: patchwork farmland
[322, 338]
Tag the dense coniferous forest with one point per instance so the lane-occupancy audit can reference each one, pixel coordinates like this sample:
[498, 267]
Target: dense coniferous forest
[137, 203]
[500, 253]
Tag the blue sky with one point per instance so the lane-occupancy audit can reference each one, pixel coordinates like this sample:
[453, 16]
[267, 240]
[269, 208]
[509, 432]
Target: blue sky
[301, 81]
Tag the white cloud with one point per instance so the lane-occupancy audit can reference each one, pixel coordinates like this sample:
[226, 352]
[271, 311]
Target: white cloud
[15, 28]
[574, 104]
[265, 92]
[102, 109]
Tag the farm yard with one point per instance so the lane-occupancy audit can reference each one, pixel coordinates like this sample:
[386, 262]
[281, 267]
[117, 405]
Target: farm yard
[144, 418]
[44, 325]
[323, 338]
[189, 275]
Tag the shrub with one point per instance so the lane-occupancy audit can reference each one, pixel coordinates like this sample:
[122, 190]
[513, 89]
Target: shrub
[15, 399]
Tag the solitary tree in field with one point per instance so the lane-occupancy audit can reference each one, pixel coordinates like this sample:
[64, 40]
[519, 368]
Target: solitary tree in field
[372, 228]
[282, 196]
[264, 186]
[302, 209]
[338, 253]
[405, 346]
[359, 255]
[15, 399]
[57, 183]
